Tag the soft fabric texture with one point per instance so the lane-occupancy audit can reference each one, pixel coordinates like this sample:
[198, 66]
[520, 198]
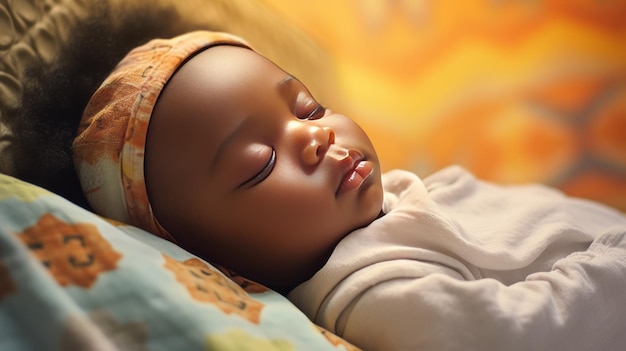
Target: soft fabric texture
[109, 149]
[70, 280]
[457, 263]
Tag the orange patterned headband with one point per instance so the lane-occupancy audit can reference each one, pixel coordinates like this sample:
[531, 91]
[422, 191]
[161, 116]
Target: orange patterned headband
[109, 149]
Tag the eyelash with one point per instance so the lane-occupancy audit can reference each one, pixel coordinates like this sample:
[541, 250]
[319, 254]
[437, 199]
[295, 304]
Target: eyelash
[263, 173]
[317, 113]
[307, 108]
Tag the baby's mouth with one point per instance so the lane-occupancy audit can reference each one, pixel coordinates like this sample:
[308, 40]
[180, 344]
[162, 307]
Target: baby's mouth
[356, 169]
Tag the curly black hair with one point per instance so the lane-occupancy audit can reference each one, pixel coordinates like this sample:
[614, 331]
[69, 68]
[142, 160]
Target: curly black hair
[55, 94]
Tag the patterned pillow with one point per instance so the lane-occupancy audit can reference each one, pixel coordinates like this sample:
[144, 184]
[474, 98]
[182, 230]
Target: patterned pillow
[72, 280]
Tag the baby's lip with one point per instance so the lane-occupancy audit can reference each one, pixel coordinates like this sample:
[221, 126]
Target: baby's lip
[353, 170]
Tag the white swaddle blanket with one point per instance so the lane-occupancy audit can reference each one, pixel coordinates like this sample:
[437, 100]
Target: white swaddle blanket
[460, 264]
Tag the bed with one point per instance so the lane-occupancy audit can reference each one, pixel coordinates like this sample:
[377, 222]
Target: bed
[433, 84]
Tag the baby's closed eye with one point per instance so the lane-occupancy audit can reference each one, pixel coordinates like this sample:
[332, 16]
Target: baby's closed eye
[263, 172]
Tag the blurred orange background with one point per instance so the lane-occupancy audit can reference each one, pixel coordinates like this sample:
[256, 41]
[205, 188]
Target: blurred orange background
[516, 91]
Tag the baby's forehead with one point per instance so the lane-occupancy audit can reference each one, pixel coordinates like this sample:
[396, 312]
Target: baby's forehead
[215, 87]
[223, 74]
[227, 61]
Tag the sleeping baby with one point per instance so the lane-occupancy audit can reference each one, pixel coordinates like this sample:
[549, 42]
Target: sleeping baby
[202, 141]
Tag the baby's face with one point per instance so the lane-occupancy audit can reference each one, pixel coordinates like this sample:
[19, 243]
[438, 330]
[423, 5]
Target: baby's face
[245, 168]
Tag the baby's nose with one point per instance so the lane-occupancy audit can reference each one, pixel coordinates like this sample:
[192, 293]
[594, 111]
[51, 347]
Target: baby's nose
[321, 138]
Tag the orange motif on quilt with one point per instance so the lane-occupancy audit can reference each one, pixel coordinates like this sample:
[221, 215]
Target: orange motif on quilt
[73, 253]
[206, 284]
[7, 287]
